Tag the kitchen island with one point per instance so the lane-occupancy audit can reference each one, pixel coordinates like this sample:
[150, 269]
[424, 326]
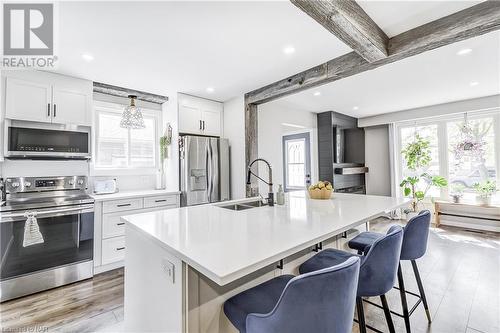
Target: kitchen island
[181, 264]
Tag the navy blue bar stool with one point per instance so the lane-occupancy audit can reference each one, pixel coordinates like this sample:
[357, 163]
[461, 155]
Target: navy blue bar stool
[321, 301]
[414, 246]
[377, 271]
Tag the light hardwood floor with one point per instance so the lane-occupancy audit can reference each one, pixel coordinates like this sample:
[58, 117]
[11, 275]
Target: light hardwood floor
[461, 275]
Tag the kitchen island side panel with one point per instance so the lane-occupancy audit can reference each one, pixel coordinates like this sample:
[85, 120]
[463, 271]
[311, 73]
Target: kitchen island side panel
[153, 297]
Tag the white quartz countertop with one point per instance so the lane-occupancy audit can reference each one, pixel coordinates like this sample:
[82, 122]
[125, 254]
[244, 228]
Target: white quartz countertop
[225, 245]
[132, 194]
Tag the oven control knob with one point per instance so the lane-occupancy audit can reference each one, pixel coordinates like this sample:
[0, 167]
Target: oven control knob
[15, 185]
[71, 182]
[80, 181]
[27, 184]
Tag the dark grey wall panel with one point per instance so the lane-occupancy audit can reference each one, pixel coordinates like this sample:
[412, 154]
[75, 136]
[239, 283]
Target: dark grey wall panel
[325, 146]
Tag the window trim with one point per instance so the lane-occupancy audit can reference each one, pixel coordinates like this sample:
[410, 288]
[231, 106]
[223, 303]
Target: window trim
[441, 122]
[116, 108]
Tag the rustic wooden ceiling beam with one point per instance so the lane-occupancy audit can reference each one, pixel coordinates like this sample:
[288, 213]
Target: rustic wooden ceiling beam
[350, 23]
[108, 89]
[468, 23]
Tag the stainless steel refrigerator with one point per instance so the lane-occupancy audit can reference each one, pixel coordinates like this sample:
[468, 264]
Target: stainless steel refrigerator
[204, 170]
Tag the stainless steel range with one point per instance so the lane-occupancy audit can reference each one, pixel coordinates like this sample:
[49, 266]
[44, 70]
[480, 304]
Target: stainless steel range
[46, 234]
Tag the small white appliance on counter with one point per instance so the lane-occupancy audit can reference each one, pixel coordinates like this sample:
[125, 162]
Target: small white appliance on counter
[105, 186]
[204, 169]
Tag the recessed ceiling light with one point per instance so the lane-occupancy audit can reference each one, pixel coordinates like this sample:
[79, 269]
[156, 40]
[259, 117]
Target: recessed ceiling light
[210, 90]
[473, 83]
[317, 93]
[464, 52]
[355, 108]
[87, 57]
[289, 50]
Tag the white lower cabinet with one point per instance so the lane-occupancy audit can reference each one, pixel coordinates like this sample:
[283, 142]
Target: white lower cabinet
[112, 225]
[113, 250]
[110, 247]
[160, 201]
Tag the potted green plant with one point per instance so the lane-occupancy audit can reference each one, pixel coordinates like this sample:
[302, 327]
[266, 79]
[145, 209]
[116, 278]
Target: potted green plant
[484, 191]
[456, 191]
[165, 141]
[417, 155]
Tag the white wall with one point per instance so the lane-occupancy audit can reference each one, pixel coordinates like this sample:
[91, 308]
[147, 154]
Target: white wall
[468, 105]
[171, 164]
[377, 159]
[270, 136]
[29, 168]
[126, 182]
[234, 131]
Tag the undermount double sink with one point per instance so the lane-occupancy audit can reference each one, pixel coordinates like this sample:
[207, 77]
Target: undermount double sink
[244, 205]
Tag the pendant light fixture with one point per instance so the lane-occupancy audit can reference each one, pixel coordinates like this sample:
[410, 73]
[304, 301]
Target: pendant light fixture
[469, 144]
[132, 116]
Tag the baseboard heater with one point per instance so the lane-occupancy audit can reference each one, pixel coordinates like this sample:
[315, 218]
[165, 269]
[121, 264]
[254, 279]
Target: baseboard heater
[470, 222]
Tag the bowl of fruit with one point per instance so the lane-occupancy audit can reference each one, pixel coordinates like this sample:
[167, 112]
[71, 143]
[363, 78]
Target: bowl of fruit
[321, 190]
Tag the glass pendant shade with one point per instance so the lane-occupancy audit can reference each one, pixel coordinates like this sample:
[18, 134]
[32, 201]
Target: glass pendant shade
[132, 116]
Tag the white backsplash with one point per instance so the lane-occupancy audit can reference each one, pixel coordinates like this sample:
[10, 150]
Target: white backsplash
[133, 183]
[31, 168]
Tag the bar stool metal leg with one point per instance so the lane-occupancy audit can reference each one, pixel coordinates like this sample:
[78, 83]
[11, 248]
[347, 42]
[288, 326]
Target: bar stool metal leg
[402, 293]
[387, 313]
[421, 290]
[361, 315]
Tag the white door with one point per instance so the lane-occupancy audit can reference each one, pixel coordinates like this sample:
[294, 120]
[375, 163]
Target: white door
[72, 103]
[296, 161]
[28, 100]
[189, 119]
[211, 122]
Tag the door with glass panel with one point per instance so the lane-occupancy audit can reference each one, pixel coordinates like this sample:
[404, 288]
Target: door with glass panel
[296, 161]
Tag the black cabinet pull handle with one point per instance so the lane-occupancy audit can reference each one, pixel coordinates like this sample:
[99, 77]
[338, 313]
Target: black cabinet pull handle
[55, 110]
[203, 124]
[163, 200]
[121, 223]
[123, 205]
[120, 248]
[48, 110]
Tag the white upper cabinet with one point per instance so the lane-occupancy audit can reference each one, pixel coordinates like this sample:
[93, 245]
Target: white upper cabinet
[72, 101]
[48, 97]
[211, 118]
[199, 116]
[28, 100]
[189, 119]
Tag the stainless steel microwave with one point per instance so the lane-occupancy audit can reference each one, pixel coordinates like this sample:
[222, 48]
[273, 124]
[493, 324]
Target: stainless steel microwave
[44, 143]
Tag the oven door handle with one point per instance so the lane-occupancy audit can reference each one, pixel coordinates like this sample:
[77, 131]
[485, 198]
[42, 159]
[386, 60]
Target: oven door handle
[11, 217]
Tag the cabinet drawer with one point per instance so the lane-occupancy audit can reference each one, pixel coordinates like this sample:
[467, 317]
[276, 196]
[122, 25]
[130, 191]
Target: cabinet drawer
[121, 205]
[160, 201]
[112, 226]
[113, 250]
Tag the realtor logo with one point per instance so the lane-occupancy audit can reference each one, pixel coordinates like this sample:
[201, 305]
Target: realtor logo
[28, 35]
[28, 29]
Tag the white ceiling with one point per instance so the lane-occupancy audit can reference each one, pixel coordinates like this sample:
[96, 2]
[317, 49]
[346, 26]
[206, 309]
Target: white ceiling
[165, 47]
[237, 46]
[395, 17]
[433, 77]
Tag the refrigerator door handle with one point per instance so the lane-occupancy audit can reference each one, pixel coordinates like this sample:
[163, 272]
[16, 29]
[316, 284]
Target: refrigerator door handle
[209, 172]
[214, 158]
